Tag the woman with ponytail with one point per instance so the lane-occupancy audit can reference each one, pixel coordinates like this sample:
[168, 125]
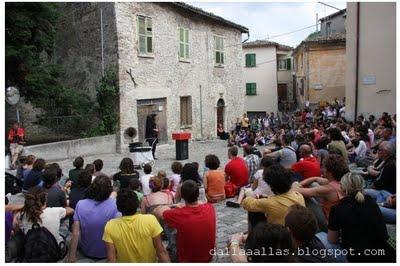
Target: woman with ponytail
[35, 210]
[359, 222]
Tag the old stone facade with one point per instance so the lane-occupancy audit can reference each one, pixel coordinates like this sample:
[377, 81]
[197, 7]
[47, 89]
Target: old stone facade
[320, 67]
[157, 82]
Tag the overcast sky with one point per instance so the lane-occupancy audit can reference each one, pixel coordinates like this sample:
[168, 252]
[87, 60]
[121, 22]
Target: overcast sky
[272, 18]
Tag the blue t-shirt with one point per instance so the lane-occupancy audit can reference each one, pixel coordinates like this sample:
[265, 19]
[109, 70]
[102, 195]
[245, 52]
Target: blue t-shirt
[93, 216]
[32, 179]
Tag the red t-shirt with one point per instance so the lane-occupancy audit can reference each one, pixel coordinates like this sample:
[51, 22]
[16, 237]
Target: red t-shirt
[307, 167]
[196, 230]
[237, 170]
[12, 134]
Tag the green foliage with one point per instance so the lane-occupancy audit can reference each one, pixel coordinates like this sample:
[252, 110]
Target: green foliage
[107, 99]
[30, 33]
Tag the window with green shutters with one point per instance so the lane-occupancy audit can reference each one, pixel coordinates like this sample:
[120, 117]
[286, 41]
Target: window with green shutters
[251, 89]
[145, 35]
[285, 64]
[288, 64]
[250, 60]
[219, 50]
[183, 43]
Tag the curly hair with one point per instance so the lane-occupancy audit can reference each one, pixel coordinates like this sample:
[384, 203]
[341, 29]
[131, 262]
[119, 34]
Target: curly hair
[278, 178]
[335, 165]
[100, 189]
[126, 166]
[212, 162]
[35, 199]
[189, 172]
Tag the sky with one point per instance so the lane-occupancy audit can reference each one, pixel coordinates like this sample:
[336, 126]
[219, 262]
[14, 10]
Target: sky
[268, 19]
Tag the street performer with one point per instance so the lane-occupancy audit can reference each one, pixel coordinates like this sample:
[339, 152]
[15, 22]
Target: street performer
[152, 133]
[16, 138]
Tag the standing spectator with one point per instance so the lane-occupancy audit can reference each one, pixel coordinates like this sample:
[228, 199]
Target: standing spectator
[145, 179]
[35, 176]
[73, 174]
[214, 179]
[126, 174]
[194, 222]
[16, 138]
[275, 207]
[356, 219]
[236, 169]
[98, 166]
[133, 237]
[91, 215]
[252, 162]
[308, 166]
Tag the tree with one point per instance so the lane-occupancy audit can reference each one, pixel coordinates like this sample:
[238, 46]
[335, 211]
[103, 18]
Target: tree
[30, 32]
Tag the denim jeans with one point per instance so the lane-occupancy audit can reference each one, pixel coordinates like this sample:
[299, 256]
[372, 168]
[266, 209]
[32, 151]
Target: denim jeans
[389, 215]
[323, 237]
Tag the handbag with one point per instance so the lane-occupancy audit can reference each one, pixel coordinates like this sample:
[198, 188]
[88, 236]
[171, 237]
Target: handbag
[230, 189]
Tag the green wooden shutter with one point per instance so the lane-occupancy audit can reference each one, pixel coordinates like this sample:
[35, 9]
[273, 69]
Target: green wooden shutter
[248, 63]
[253, 60]
[288, 64]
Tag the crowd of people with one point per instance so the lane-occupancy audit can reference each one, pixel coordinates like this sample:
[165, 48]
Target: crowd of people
[294, 180]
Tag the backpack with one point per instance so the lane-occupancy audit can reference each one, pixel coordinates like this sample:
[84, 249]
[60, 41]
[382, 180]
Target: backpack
[42, 246]
[13, 184]
[230, 190]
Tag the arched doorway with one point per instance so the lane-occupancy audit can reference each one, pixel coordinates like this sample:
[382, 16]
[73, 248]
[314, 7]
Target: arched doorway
[220, 111]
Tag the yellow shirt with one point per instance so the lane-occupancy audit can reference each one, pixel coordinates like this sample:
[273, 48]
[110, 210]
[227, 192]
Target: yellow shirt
[275, 207]
[133, 236]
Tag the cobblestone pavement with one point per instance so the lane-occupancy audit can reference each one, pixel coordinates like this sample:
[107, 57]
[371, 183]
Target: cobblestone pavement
[229, 220]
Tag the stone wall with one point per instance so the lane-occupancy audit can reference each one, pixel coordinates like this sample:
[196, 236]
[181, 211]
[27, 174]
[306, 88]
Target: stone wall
[163, 75]
[328, 68]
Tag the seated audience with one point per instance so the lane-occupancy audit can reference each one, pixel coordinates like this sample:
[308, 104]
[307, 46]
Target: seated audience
[145, 179]
[55, 196]
[73, 174]
[126, 174]
[252, 161]
[175, 178]
[91, 215]
[98, 166]
[285, 156]
[337, 145]
[275, 207]
[159, 196]
[358, 222]
[133, 237]
[190, 172]
[308, 166]
[35, 176]
[236, 170]
[195, 224]
[214, 179]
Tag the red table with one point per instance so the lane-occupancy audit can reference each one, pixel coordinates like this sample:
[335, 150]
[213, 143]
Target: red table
[181, 144]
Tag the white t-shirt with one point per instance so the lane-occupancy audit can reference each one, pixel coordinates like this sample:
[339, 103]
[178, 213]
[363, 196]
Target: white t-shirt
[175, 179]
[50, 219]
[262, 188]
[361, 150]
[145, 179]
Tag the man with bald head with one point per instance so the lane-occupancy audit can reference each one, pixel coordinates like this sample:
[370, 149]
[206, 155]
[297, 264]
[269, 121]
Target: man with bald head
[308, 165]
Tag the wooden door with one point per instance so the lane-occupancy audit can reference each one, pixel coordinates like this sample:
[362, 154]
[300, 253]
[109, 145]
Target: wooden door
[282, 92]
[220, 115]
[146, 107]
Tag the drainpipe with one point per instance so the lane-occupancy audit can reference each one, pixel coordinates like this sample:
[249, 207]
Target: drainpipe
[201, 114]
[102, 42]
[357, 59]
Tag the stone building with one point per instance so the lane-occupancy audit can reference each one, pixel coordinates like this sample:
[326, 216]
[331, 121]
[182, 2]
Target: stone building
[266, 68]
[172, 58]
[371, 59]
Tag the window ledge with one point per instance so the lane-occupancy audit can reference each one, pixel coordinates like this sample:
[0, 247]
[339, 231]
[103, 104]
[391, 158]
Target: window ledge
[219, 66]
[251, 94]
[146, 55]
[182, 60]
[186, 127]
[250, 66]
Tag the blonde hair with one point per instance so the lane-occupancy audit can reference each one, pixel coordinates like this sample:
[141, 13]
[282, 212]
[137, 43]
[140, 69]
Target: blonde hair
[352, 185]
